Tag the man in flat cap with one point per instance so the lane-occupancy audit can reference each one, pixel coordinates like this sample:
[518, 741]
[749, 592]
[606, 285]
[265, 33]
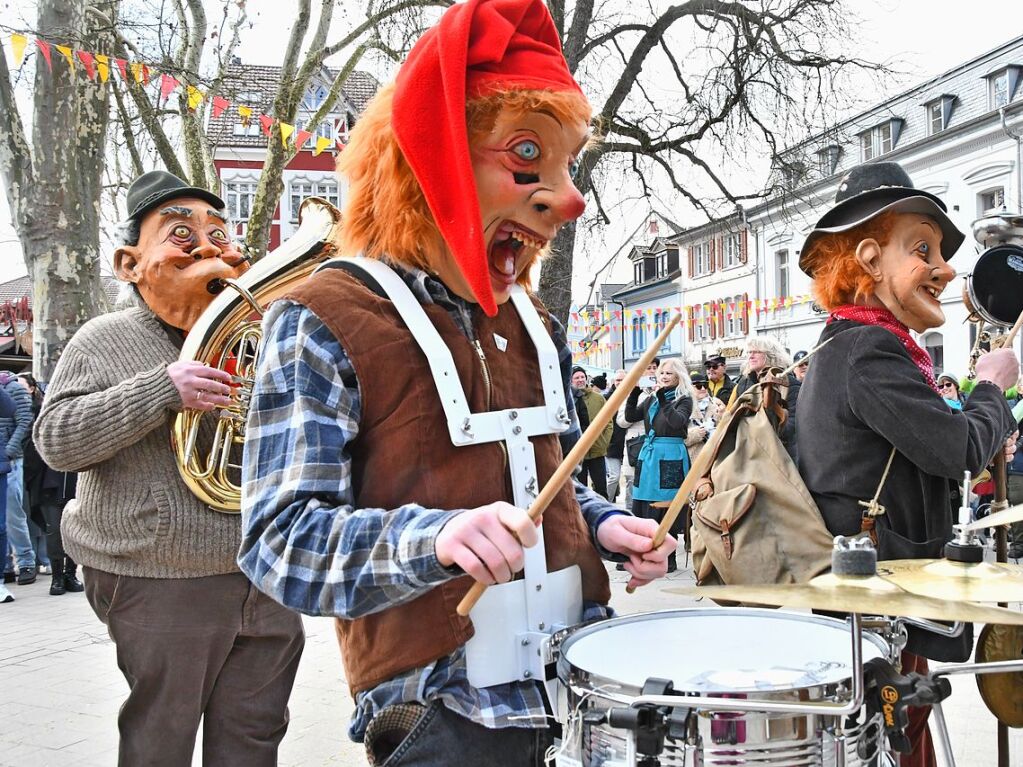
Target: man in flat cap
[410, 404]
[195, 640]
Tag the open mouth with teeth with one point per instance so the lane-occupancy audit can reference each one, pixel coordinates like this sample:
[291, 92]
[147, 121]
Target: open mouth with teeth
[932, 291]
[510, 243]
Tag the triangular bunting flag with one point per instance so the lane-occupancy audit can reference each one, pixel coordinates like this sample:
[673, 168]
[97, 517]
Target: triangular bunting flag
[44, 49]
[195, 97]
[266, 122]
[219, 105]
[140, 72]
[122, 67]
[286, 131]
[65, 51]
[18, 43]
[301, 137]
[103, 67]
[167, 85]
[321, 144]
[87, 61]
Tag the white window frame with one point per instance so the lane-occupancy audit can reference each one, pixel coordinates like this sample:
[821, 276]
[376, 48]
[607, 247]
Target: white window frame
[325, 187]
[701, 258]
[993, 89]
[235, 192]
[877, 141]
[781, 272]
[991, 200]
[731, 247]
[699, 324]
[935, 117]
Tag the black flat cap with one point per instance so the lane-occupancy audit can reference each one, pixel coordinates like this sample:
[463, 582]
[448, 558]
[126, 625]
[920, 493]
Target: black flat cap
[699, 378]
[868, 191]
[798, 356]
[715, 360]
[156, 186]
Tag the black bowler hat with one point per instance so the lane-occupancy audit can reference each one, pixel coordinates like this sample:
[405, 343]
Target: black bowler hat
[875, 188]
[714, 361]
[150, 189]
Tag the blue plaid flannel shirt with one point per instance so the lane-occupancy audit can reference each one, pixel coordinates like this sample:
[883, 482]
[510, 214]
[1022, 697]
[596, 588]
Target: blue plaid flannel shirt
[306, 545]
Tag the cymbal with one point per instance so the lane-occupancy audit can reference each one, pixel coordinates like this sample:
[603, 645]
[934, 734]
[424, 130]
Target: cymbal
[961, 581]
[865, 595]
[1008, 516]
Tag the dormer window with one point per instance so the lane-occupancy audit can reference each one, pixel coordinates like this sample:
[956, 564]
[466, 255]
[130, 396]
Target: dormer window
[827, 159]
[1002, 85]
[939, 113]
[881, 139]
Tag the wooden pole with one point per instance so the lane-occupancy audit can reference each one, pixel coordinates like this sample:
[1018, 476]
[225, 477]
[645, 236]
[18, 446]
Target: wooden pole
[564, 471]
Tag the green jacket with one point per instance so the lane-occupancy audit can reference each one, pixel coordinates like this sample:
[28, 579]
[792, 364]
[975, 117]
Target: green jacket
[594, 402]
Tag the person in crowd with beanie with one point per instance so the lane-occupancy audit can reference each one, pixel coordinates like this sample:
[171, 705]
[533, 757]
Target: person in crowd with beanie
[380, 481]
[664, 460]
[195, 640]
[879, 263]
[802, 365]
[948, 388]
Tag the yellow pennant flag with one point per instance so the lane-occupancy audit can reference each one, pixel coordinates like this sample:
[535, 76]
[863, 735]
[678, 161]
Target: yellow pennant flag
[65, 51]
[321, 144]
[103, 67]
[138, 71]
[286, 131]
[18, 43]
[195, 97]
[246, 114]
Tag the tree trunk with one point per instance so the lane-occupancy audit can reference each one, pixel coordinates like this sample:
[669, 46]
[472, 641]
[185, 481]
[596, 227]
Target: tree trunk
[268, 195]
[58, 224]
[555, 288]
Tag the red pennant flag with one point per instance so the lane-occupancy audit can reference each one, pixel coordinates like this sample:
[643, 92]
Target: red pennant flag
[219, 105]
[301, 137]
[87, 61]
[44, 49]
[267, 122]
[122, 67]
[167, 86]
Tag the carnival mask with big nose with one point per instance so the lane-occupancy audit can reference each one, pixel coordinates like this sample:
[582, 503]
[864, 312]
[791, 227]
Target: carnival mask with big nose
[183, 249]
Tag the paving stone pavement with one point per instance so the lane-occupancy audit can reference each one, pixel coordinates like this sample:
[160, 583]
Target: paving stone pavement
[61, 686]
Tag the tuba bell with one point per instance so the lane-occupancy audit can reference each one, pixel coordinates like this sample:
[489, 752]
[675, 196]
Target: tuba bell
[228, 336]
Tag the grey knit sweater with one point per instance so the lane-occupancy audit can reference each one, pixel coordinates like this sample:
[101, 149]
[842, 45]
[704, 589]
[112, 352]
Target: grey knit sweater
[107, 414]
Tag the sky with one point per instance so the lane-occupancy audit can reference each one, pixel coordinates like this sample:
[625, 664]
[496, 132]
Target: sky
[920, 38]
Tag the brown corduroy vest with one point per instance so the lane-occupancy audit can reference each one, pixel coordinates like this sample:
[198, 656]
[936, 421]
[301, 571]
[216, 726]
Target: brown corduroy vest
[403, 454]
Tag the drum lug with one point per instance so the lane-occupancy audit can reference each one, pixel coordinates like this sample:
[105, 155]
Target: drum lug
[649, 725]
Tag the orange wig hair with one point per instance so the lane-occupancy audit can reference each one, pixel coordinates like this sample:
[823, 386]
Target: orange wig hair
[838, 277]
[386, 214]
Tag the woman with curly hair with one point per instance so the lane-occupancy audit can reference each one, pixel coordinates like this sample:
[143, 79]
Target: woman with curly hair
[879, 263]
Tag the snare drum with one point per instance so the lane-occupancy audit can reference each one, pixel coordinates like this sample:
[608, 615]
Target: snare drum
[769, 655]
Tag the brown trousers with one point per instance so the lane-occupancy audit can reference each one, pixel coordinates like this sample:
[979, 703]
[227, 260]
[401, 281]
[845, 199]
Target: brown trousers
[213, 649]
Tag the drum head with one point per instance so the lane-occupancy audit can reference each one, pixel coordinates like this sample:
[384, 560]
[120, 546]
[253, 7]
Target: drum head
[996, 285]
[723, 650]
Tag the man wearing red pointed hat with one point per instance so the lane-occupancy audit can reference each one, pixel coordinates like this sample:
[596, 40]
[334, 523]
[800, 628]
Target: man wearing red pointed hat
[413, 397]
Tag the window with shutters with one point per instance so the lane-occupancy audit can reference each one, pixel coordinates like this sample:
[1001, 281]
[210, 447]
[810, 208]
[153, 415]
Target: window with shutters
[702, 255]
[742, 309]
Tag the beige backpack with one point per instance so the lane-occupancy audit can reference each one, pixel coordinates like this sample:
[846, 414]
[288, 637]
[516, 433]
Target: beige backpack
[755, 521]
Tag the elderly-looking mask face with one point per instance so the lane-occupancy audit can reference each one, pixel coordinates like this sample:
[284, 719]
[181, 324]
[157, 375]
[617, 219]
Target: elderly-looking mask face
[183, 247]
[523, 170]
[910, 272]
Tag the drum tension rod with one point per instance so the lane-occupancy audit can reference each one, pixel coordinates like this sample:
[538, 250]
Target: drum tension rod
[649, 724]
[891, 693]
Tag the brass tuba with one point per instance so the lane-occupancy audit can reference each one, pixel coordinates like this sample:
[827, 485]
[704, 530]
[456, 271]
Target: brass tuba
[228, 335]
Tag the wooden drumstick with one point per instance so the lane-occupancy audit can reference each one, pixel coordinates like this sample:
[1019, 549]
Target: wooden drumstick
[564, 471]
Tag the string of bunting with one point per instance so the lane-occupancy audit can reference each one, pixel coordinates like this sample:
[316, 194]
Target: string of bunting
[98, 65]
[591, 320]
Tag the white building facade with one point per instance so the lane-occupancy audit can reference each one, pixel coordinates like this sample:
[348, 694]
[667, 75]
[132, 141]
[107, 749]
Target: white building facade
[953, 134]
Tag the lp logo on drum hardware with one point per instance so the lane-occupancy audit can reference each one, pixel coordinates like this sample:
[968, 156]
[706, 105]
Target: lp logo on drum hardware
[890, 696]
